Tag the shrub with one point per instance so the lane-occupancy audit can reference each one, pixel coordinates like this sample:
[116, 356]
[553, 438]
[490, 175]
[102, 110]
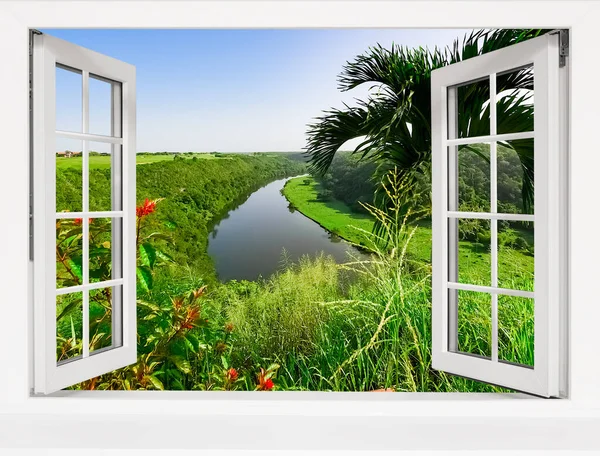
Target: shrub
[325, 195]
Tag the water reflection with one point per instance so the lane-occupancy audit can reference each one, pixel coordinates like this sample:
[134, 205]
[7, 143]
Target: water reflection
[248, 242]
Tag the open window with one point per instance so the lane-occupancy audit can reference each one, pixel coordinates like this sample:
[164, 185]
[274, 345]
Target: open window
[475, 141]
[509, 312]
[83, 105]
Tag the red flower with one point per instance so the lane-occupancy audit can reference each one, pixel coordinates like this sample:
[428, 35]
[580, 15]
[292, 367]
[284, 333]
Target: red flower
[191, 318]
[79, 221]
[232, 375]
[146, 209]
[264, 381]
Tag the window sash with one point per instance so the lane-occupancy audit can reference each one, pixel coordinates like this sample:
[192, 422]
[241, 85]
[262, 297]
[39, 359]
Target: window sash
[543, 378]
[48, 54]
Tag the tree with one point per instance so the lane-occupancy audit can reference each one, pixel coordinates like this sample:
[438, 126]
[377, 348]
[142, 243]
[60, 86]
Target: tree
[394, 120]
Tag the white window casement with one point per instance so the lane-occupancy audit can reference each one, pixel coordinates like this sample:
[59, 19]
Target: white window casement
[533, 74]
[530, 73]
[361, 422]
[71, 284]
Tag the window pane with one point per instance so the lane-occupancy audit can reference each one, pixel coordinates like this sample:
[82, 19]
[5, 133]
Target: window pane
[474, 178]
[516, 330]
[473, 251]
[516, 255]
[100, 106]
[475, 323]
[104, 177]
[514, 100]
[69, 317]
[515, 177]
[102, 313]
[105, 262]
[69, 252]
[473, 110]
[68, 175]
[69, 99]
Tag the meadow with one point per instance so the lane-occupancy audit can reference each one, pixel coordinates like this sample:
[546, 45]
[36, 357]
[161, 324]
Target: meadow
[102, 160]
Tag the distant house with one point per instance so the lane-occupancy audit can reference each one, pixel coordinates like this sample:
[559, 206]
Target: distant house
[67, 154]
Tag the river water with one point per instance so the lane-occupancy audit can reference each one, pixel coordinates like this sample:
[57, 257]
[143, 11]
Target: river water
[248, 242]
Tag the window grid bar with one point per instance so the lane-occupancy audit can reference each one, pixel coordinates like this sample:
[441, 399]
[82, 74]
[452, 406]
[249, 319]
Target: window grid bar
[494, 210]
[490, 138]
[117, 203]
[452, 203]
[89, 137]
[85, 320]
[490, 290]
[491, 216]
[89, 286]
[89, 214]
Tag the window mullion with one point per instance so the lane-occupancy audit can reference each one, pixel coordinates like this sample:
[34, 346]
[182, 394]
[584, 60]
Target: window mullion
[452, 224]
[117, 204]
[86, 223]
[494, 210]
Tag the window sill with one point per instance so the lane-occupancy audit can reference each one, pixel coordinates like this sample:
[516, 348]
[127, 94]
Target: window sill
[211, 403]
[309, 431]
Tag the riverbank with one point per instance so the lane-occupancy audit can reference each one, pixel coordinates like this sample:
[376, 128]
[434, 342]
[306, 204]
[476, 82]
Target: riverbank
[474, 258]
[335, 216]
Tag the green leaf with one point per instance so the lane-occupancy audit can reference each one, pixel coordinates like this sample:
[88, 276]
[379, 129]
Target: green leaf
[155, 382]
[192, 343]
[182, 364]
[162, 236]
[68, 309]
[144, 276]
[164, 256]
[75, 266]
[147, 254]
[148, 305]
[73, 335]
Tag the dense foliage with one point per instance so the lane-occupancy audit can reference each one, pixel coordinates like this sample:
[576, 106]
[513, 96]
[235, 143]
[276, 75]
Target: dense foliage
[349, 180]
[195, 193]
[353, 182]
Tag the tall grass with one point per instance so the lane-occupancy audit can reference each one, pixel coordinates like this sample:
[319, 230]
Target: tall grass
[366, 325]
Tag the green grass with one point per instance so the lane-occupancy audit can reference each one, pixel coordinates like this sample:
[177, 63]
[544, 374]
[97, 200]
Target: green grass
[103, 161]
[334, 216]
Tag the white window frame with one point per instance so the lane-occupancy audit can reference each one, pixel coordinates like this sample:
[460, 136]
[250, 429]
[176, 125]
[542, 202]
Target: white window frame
[48, 53]
[356, 421]
[544, 377]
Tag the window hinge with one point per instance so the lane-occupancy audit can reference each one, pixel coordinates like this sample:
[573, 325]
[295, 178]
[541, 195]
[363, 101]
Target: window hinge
[563, 47]
[31, 33]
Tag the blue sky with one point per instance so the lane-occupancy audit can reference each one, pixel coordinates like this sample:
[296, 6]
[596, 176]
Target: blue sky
[228, 90]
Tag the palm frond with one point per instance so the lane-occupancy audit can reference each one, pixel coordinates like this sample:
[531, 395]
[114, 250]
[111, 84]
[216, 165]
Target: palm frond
[330, 132]
[395, 117]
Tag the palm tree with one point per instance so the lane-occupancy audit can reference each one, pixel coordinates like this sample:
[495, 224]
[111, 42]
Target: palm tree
[394, 121]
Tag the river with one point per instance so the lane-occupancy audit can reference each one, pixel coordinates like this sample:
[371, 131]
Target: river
[249, 240]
